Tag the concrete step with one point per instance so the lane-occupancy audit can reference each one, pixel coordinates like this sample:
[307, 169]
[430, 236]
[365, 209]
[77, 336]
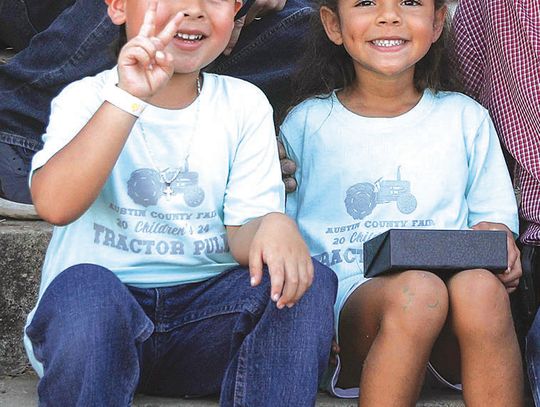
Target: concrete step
[21, 392]
[23, 245]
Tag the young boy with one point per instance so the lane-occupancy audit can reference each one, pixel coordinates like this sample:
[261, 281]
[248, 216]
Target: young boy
[166, 180]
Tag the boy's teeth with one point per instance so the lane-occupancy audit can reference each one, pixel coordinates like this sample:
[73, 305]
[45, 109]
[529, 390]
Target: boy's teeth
[387, 43]
[190, 37]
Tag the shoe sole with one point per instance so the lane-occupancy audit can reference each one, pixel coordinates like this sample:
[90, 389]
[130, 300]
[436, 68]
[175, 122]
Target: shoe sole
[15, 210]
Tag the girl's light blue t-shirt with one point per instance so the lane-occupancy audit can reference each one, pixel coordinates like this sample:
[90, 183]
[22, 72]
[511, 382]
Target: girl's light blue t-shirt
[438, 166]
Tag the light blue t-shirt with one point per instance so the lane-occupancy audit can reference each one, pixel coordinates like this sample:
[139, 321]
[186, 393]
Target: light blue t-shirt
[219, 156]
[438, 166]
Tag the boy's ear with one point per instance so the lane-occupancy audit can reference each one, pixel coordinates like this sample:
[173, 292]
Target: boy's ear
[116, 11]
[331, 24]
[238, 5]
[439, 22]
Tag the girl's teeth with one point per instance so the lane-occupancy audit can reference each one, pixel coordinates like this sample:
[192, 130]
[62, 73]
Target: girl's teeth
[190, 37]
[387, 43]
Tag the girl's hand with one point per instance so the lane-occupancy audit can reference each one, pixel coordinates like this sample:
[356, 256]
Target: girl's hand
[278, 244]
[144, 67]
[510, 278]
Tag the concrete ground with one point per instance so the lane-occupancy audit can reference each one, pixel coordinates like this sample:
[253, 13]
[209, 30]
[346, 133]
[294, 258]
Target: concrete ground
[21, 392]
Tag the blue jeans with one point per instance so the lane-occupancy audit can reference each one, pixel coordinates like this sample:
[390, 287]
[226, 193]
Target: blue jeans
[78, 43]
[532, 356]
[101, 341]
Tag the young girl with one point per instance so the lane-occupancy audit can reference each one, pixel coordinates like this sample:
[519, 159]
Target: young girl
[379, 144]
[164, 180]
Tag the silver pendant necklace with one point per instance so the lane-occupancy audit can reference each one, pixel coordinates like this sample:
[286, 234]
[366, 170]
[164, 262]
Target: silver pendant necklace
[169, 174]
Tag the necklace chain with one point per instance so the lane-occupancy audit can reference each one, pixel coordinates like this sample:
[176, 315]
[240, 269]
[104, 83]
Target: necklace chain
[169, 175]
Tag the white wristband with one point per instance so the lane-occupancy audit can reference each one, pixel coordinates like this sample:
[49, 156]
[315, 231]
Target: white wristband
[124, 100]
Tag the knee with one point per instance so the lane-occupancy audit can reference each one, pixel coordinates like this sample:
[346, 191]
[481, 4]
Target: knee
[82, 301]
[324, 286]
[418, 304]
[479, 303]
[317, 304]
[84, 279]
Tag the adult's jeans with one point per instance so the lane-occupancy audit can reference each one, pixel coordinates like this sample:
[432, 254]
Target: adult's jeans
[78, 43]
[101, 341]
[532, 356]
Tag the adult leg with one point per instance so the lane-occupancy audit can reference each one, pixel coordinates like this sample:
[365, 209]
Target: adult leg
[86, 333]
[75, 45]
[22, 19]
[386, 331]
[532, 355]
[268, 50]
[482, 338]
[225, 336]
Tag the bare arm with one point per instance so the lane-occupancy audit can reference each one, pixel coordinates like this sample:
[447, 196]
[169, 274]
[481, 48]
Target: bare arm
[274, 240]
[65, 187]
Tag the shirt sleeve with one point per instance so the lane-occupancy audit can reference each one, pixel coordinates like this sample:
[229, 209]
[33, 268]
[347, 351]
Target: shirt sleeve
[70, 111]
[254, 187]
[490, 195]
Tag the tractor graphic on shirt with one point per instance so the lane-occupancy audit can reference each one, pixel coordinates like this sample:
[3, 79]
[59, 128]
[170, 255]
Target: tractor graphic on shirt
[362, 198]
[146, 186]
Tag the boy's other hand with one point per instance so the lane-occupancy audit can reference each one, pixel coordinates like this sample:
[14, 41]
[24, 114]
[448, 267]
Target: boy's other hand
[510, 278]
[144, 66]
[278, 244]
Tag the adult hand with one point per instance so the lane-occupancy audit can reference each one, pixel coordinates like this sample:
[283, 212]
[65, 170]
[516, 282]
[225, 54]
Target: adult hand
[288, 167]
[257, 9]
[278, 244]
[144, 67]
[510, 277]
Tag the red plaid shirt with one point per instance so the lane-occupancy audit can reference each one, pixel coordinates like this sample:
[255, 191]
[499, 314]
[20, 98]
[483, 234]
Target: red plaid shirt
[497, 57]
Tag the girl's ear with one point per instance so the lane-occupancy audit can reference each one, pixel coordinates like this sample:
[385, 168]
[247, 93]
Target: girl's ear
[331, 24]
[438, 22]
[116, 11]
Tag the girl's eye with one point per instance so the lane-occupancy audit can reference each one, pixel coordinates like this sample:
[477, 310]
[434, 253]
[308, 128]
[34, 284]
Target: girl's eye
[364, 3]
[411, 3]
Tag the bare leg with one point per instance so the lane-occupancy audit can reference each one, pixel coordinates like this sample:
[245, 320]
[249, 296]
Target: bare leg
[481, 340]
[387, 330]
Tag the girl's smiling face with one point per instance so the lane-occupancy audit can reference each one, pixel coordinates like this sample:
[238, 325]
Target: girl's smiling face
[203, 34]
[384, 38]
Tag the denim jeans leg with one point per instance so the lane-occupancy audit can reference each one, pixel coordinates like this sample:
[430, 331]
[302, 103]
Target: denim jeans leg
[268, 51]
[22, 19]
[224, 336]
[75, 45]
[87, 332]
[532, 356]
[280, 362]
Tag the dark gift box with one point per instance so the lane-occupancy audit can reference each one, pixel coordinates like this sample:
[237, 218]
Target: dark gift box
[438, 251]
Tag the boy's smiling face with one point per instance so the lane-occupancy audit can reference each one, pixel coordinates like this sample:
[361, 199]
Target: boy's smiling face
[203, 34]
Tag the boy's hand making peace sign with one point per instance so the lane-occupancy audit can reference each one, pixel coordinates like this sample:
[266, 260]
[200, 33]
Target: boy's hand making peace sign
[144, 67]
